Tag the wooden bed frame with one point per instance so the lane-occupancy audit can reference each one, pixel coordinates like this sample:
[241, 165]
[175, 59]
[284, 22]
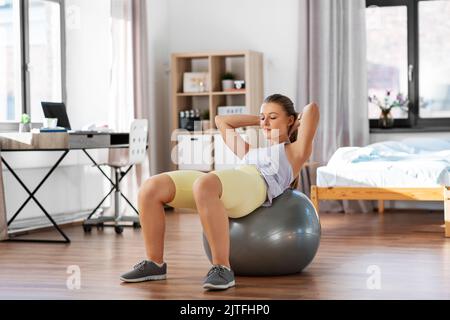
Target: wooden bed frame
[382, 194]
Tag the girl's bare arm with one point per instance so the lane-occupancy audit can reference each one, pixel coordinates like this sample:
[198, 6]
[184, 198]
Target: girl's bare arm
[227, 126]
[300, 151]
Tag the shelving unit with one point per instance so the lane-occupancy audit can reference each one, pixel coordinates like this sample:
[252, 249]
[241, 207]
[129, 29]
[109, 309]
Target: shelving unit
[246, 65]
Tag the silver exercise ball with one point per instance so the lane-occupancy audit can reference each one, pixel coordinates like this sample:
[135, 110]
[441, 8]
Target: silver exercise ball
[278, 240]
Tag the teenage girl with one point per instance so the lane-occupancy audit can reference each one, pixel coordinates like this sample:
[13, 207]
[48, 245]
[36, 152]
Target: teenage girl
[263, 175]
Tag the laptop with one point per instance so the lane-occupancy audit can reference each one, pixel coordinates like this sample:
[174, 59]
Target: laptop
[57, 110]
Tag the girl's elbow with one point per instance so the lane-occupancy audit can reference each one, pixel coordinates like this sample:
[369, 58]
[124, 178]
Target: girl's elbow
[313, 112]
[314, 107]
[218, 120]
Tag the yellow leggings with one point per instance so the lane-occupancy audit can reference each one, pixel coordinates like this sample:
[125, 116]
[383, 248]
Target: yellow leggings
[243, 189]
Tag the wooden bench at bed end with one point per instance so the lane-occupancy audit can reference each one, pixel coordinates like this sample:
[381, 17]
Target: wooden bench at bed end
[382, 194]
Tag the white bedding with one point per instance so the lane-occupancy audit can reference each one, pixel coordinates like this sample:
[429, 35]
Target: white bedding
[410, 163]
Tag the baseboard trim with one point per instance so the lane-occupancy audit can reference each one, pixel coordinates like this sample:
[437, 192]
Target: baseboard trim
[40, 224]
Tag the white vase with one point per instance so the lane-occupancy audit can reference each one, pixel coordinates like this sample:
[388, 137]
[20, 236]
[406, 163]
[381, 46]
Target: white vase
[24, 127]
[227, 85]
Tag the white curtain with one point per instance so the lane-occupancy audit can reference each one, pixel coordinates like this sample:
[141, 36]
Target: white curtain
[128, 86]
[333, 73]
[121, 111]
[143, 102]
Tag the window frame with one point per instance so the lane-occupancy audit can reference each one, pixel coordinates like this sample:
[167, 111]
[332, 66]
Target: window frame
[413, 122]
[25, 60]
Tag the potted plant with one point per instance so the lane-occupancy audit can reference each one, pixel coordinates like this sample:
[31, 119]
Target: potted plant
[25, 123]
[386, 105]
[228, 81]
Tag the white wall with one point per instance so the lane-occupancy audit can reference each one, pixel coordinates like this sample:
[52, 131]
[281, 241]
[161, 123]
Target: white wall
[268, 26]
[88, 51]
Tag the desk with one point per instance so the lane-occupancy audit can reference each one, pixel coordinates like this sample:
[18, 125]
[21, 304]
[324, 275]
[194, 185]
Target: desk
[57, 142]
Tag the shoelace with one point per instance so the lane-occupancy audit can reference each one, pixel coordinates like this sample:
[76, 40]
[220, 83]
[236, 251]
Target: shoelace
[140, 265]
[217, 269]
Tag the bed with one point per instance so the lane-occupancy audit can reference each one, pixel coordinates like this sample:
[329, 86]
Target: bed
[411, 169]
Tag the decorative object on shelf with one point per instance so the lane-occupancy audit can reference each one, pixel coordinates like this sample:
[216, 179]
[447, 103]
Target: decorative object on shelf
[195, 82]
[25, 123]
[228, 81]
[182, 120]
[206, 121]
[386, 105]
[386, 119]
[239, 85]
[232, 110]
[197, 120]
[190, 120]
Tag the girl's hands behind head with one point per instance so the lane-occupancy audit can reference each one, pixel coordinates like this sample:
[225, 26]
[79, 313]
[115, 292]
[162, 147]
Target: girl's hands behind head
[296, 124]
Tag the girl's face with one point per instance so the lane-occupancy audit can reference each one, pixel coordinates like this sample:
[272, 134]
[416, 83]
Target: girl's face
[275, 122]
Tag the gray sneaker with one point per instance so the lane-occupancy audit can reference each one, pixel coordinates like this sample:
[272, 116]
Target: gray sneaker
[145, 271]
[219, 278]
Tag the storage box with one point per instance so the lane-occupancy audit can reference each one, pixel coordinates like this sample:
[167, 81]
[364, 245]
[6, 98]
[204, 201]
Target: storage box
[195, 152]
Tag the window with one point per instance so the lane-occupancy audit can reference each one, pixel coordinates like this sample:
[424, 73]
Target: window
[31, 53]
[387, 56]
[434, 59]
[10, 61]
[45, 55]
[407, 52]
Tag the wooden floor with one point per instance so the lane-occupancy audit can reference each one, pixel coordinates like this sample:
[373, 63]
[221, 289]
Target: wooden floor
[408, 248]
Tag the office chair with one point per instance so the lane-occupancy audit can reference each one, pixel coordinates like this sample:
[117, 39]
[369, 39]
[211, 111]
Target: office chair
[135, 154]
